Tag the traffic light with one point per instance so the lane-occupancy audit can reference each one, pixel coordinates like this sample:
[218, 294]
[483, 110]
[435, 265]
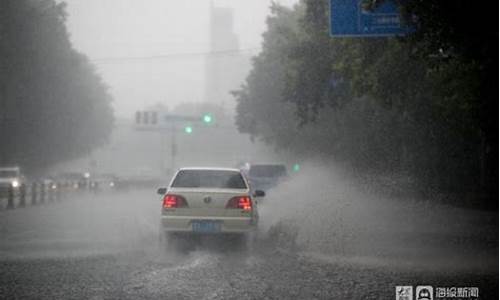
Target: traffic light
[188, 129]
[154, 117]
[207, 118]
[138, 117]
[146, 117]
[296, 167]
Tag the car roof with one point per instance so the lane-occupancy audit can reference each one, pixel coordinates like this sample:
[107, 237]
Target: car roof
[210, 168]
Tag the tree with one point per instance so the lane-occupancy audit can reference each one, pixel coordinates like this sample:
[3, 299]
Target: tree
[54, 106]
[418, 106]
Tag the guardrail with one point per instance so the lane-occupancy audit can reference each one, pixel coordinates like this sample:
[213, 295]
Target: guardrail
[35, 193]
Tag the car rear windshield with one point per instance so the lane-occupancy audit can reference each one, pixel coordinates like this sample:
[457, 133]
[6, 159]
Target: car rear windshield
[209, 179]
[267, 171]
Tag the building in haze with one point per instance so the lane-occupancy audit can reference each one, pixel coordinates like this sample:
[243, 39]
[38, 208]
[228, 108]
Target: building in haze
[227, 65]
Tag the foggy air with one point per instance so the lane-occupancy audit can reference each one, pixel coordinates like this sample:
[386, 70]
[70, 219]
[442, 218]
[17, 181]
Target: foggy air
[232, 149]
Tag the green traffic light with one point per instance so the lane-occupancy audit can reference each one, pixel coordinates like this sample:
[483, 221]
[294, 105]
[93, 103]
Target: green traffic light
[188, 129]
[296, 168]
[207, 118]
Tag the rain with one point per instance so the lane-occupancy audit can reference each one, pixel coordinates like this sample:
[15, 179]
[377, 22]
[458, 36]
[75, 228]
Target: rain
[218, 149]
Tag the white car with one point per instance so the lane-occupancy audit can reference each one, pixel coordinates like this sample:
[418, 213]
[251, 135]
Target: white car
[10, 177]
[202, 201]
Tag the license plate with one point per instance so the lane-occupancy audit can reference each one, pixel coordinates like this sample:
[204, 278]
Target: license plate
[206, 226]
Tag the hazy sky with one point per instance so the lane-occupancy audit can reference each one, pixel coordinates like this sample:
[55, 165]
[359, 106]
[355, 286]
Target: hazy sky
[125, 37]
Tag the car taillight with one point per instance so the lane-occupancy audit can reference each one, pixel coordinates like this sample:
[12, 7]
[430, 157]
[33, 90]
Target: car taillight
[174, 201]
[241, 202]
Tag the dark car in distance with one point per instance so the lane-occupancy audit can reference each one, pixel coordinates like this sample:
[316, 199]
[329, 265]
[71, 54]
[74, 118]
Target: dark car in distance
[264, 176]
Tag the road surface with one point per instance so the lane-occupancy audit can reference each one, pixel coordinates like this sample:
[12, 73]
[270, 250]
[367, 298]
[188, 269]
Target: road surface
[105, 246]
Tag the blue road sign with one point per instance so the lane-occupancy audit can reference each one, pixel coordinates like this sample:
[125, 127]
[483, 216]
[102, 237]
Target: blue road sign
[348, 18]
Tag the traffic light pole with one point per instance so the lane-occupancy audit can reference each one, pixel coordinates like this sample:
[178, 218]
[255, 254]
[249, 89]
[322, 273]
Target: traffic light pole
[153, 121]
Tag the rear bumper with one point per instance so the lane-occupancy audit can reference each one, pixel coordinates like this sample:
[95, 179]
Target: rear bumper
[227, 224]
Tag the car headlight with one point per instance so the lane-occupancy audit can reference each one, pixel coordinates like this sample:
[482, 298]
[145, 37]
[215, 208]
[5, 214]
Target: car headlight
[15, 183]
[111, 184]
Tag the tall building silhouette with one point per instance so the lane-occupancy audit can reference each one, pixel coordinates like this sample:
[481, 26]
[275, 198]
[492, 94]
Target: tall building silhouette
[226, 67]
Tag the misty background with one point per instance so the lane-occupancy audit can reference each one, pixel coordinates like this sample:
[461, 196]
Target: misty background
[168, 52]
[172, 57]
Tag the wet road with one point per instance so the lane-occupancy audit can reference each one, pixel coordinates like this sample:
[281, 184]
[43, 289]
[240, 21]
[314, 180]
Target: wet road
[106, 247]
